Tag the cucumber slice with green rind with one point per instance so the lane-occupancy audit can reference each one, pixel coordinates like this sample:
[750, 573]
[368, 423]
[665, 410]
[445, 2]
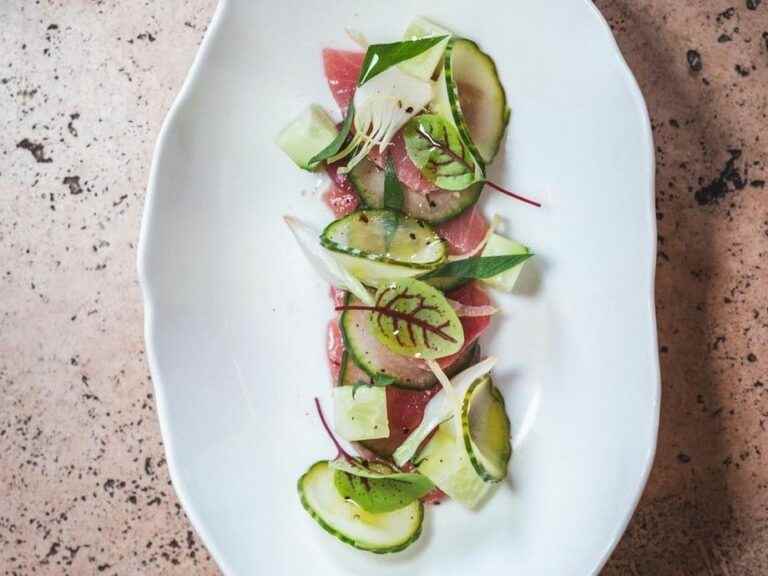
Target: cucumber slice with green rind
[434, 208]
[373, 357]
[486, 430]
[445, 462]
[470, 92]
[378, 533]
[385, 236]
[350, 373]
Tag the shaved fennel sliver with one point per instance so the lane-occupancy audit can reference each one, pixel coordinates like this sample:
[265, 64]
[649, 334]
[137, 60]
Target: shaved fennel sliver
[357, 37]
[382, 106]
[444, 405]
[323, 262]
[442, 377]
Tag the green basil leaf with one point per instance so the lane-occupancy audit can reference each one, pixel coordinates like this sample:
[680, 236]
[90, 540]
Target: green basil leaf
[477, 267]
[333, 148]
[394, 196]
[436, 148]
[390, 222]
[379, 57]
[393, 200]
[376, 489]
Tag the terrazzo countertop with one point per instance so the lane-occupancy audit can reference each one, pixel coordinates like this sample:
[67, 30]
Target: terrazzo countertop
[84, 86]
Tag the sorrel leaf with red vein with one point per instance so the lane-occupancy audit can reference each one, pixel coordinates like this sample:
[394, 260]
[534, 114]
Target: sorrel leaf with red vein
[412, 318]
[433, 144]
[436, 148]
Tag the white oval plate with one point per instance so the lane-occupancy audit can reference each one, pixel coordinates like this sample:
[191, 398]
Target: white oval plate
[235, 318]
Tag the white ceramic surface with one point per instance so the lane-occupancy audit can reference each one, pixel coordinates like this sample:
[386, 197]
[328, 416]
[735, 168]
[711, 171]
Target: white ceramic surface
[235, 319]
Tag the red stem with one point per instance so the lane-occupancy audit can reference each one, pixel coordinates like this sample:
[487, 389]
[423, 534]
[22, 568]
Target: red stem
[343, 453]
[517, 196]
[462, 161]
[401, 316]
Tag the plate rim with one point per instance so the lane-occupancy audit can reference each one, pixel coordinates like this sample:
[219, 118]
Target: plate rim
[145, 283]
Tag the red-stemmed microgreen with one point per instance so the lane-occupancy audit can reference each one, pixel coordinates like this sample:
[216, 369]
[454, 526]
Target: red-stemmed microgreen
[436, 148]
[341, 453]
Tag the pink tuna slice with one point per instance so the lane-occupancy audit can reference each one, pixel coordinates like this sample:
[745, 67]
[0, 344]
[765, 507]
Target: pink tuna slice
[464, 232]
[407, 172]
[335, 348]
[405, 409]
[338, 296]
[341, 197]
[471, 294]
[335, 341]
[342, 69]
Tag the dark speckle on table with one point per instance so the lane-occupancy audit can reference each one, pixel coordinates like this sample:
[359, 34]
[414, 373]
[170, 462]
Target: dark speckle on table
[694, 60]
[729, 180]
[73, 183]
[36, 149]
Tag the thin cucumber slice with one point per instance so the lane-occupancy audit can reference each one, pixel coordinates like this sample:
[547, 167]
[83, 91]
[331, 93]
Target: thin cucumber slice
[350, 373]
[373, 357]
[500, 246]
[423, 66]
[363, 416]
[444, 461]
[307, 136]
[486, 430]
[371, 272]
[435, 207]
[379, 533]
[469, 91]
[360, 413]
[385, 236]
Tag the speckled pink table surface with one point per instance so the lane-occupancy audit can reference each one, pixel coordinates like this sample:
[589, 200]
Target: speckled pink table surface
[84, 86]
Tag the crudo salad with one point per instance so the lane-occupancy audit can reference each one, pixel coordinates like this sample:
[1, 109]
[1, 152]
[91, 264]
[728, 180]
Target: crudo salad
[417, 418]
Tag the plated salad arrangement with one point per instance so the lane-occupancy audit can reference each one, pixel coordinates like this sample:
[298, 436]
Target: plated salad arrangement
[417, 417]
